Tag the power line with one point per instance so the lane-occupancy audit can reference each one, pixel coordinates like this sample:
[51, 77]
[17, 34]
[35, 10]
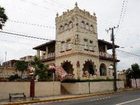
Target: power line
[39, 38]
[38, 25]
[123, 13]
[54, 2]
[23, 35]
[128, 52]
[10, 41]
[35, 4]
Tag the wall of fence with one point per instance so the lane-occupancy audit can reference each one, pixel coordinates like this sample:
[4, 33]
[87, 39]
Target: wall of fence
[41, 88]
[90, 87]
[135, 83]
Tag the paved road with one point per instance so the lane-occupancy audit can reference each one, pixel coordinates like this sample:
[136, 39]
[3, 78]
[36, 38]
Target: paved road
[125, 98]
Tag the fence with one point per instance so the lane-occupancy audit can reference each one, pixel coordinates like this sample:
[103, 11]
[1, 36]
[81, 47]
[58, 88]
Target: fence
[41, 88]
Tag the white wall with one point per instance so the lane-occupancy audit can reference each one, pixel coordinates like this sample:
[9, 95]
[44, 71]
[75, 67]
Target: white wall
[83, 87]
[133, 83]
[41, 88]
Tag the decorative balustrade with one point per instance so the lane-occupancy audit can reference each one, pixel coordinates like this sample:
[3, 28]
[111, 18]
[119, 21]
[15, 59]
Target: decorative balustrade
[105, 55]
[48, 56]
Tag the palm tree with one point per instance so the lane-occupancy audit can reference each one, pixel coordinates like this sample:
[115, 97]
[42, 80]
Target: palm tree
[3, 17]
[21, 66]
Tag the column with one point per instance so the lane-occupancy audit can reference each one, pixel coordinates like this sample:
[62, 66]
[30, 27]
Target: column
[38, 54]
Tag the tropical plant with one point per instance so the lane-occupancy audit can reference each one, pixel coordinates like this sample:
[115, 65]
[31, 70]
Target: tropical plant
[41, 70]
[3, 17]
[13, 77]
[133, 72]
[21, 66]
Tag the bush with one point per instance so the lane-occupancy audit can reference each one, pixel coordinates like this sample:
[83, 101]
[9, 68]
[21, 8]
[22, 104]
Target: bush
[13, 77]
[94, 80]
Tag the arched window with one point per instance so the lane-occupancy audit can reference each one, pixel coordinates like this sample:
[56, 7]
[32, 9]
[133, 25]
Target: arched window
[83, 24]
[87, 26]
[66, 26]
[89, 68]
[61, 28]
[68, 45]
[103, 71]
[63, 46]
[68, 67]
[70, 24]
[91, 28]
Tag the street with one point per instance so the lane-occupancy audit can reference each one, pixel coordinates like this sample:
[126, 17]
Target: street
[123, 98]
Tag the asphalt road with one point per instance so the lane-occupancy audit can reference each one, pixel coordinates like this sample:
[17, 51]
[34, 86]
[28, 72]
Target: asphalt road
[123, 98]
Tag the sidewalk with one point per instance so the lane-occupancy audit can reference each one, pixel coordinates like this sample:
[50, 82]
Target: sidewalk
[57, 98]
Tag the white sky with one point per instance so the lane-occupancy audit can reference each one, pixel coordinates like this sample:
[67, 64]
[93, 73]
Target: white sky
[44, 11]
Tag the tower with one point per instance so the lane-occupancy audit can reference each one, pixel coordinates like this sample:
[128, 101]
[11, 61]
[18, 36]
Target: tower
[76, 48]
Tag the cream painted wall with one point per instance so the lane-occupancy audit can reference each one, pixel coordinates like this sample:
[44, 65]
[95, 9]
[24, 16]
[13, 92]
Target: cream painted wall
[83, 87]
[41, 88]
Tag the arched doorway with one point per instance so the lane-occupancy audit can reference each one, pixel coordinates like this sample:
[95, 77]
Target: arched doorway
[89, 67]
[68, 67]
[103, 71]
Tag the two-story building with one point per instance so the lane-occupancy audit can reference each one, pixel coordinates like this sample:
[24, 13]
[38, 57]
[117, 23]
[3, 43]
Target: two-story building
[77, 48]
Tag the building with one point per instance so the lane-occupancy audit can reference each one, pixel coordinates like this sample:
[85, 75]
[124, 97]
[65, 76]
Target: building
[10, 63]
[27, 58]
[77, 47]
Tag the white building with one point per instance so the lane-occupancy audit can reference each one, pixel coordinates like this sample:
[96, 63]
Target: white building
[77, 47]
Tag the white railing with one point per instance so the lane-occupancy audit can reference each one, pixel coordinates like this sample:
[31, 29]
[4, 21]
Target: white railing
[49, 55]
[106, 55]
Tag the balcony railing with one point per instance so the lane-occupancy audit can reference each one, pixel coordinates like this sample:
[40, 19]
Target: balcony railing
[50, 56]
[105, 55]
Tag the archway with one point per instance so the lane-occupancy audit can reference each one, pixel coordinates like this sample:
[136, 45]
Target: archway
[103, 70]
[68, 67]
[89, 67]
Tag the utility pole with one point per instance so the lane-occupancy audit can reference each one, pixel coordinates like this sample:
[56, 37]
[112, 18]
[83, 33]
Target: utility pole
[114, 57]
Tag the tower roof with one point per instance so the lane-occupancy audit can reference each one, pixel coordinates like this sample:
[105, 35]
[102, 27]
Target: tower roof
[76, 10]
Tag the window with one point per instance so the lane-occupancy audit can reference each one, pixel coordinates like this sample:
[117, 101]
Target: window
[87, 26]
[63, 46]
[61, 28]
[91, 28]
[91, 47]
[68, 45]
[86, 44]
[70, 24]
[83, 24]
[66, 26]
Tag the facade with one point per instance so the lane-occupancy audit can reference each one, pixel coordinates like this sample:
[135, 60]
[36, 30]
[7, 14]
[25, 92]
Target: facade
[10, 63]
[27, 58]
[77, 48]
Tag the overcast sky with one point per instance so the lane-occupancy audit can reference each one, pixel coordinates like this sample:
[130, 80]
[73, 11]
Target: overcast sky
[23, 13]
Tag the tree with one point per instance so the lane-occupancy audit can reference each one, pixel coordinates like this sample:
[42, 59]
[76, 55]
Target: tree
[41, 70]
[21, 66]
[133, 72]
[3, 17]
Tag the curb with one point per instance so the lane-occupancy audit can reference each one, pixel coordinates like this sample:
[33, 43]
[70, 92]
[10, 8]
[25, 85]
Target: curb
[67, 98]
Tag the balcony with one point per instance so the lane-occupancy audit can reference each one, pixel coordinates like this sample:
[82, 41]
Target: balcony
[49, 57]
[105, 56]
